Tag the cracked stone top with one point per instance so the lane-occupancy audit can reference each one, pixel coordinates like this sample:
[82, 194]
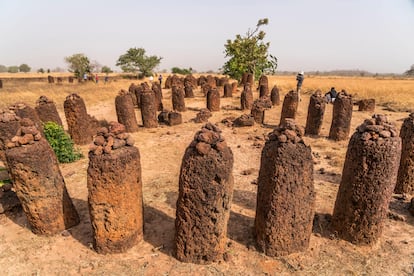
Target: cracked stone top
[377, 127]
[112, 138]
[289, 132]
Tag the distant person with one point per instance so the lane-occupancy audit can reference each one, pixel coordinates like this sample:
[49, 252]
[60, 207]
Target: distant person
[331, 95]
[160, 79]
[96, 78]
[151, 78]
[300, 77]
[106, 78]
[85, 77]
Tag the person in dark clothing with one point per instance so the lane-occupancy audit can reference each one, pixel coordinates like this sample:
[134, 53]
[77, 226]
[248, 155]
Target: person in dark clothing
[331, 95]
[160, 79]
[300, 77]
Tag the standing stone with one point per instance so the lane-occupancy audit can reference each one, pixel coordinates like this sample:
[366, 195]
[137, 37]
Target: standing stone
[228, 90]
[246, 97]
[290, 106]
[316, 110]
[131, 90]
[341, 117]
[23, 110]
[285, 195]
[205, 88]
[263, 90]
[259, 107]
[211, 81]
[177, 96]
[244, 79]
[156, 87]
[70, 79]
[188, 91]
[46, 110]
[366, 105]
[9, 125]
[368, 180]
[250, 79]
[213, 100]
[148, 109]
[234, 87]
[138, 91]
[201, 80]
[204, 199]
[167, 84]
[263, 80]
[50, 79]
[59, 80]
[275, 96]
[244, 120]
[1, 84]
[125, 111]
[115, 191]
[79, 127]
[38, 182]
[405, 179]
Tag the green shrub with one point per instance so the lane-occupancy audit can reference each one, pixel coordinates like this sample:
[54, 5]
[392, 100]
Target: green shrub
[61, 143]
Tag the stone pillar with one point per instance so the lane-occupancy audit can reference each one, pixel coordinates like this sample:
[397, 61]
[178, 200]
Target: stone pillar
[9, 125]
[125, 111]
[50, 79]
[228, 90]
[70, 79]
[285, 195]
[244, 79]
[275, 96]
[234, 87]
[177, 96]
[211, 81]
[213, 100]
[259, 107]
[341, 117]
[188, 91]
[38, 182]
[46, 110]
[23, 110]
[290, 106]
[263, 80]
[115, 191]
[156, 87]
[263, 90]
[204, 199]
[366, 105]
[1, 84]
[316, 110]
[246, 98]
[78, 120]
[250, 79]
[148, 109]
[405, 179]
[368, 180]
[131, 90]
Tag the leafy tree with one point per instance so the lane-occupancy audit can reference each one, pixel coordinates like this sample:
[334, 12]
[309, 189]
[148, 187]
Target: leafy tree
[106, 69]
[13, 69]
[410, 72]
[79, 64]
[3, 68]
[24, 68]
[135, 60]
[182, 71]
[41, 70]
[249, 53]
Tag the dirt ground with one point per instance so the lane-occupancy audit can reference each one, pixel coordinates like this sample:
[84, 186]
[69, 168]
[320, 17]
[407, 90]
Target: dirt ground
[23, 253]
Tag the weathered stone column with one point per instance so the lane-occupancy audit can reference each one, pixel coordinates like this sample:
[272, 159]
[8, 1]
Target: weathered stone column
[213, 100]
[125, 111]
[148, 109]
[263, 80]
[1, 84]
[131, 90]
[316, 110]
[263, 90]
[275, 96]
[246, 98]
[204, 199]
[285, 195]
[228, 90]
[78, 120]
[244, 79]
[211, 81]
[23, 110]
[368, 180]
[38, 182]
[46, 110]
[234, 87]
[188, 91]
[177, 96]
[341, 117]
[405, 179]
[9, 125]
[290, 106]
[250, 79]
[70, 79]
[115, 191]
[259, 107]
[156, 87]
[366, 105]
[50, 79]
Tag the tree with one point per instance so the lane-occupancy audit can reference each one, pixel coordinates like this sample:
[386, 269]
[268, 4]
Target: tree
[96, 66]
[41, 70]
[24, 68]
[3, 68]
[13, 69]
[79, 64]
[249, 54]
[181, 71]
[135, 60]
[410, 72]
[106, 69]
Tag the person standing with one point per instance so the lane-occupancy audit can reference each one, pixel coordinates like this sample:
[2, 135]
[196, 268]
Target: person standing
[96, 78]
[300, 77]
[160, 79]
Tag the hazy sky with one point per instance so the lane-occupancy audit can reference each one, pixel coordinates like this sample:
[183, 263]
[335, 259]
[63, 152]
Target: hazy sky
[372, 35]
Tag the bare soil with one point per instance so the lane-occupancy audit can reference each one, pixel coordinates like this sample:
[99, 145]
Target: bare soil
[162, 148]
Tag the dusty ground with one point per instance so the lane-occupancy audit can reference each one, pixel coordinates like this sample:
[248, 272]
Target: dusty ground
[23, 253]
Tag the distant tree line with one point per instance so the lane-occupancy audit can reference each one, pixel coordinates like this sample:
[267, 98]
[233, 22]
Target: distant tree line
[24, 68]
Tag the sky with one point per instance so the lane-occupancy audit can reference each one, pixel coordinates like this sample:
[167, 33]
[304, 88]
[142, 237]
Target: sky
[318, 35]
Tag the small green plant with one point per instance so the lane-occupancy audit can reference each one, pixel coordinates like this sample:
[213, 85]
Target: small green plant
[61, 143]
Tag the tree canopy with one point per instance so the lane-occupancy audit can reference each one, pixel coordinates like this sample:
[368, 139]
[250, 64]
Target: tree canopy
[410, 72]
[135, 60]
[181, 71]
[249, 53]
[24, 68]
[79, 64]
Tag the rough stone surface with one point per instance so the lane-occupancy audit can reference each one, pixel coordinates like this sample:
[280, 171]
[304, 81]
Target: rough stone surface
[177, 96]
[244, 120]
[228, 90]
[205, 194]
[341, 117]
[203, 115]
[125, 111]
[368, 180]
[1, 84]
[275, 96]
[234, 87]
[366, 105]
[50, 79]
[8, 198]
[23, 110]
[263, 90]
[246, 97]
[148, 109]
[170, 118]
[131, 90]
[285, 196]
[405, 179]
[46, 110]
[250, 79]
[316, 110]
[259, 107]
[156, 87]
[9, 125]
[115, 199]
[205, 88]
[188, 91]
[213, 100]
[211, 81]
[290, 106]
[40, 187]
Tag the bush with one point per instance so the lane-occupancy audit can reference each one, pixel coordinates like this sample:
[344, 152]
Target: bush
[61, 143]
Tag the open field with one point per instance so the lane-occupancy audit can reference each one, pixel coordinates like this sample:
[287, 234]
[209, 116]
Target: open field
[23, 253]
